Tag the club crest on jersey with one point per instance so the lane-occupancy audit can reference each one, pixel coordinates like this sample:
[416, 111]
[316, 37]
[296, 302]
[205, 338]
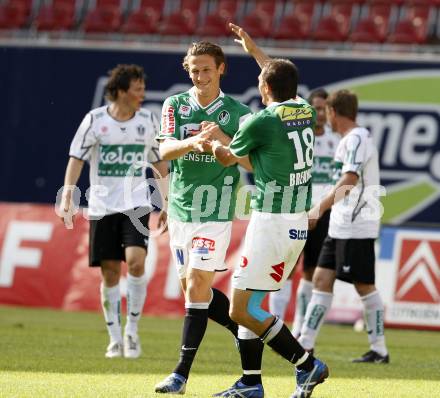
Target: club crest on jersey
[185, 110]
[224, 117]
[140, 129]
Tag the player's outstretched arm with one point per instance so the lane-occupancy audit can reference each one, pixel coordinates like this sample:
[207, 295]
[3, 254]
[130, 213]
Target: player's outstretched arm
[170, 149]
[223, 154]
[249, 45]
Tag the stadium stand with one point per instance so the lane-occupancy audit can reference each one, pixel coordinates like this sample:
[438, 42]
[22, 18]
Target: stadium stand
[298, 23]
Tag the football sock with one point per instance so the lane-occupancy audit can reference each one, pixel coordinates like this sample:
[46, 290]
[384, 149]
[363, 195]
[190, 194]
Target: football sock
[303, 296]
[251, 354]
[319, 304]
[111, 307]
[279, 300]
[136, 293]
[278, 337]
[194, 327]
[374, 313]
[218, 311]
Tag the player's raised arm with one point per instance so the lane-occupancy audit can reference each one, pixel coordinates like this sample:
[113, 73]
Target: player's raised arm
[249, 45]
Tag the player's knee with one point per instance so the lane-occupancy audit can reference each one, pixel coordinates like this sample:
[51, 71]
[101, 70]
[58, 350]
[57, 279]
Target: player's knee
[110, 277]
[136, 267]
[254, 308]
[322, 282]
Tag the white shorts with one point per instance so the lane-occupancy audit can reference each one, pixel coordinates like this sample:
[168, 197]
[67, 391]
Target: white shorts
[199, 245]
[272, 246]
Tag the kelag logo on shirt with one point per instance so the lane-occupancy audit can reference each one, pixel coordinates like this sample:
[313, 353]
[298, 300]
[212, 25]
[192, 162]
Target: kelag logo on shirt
[116, 160]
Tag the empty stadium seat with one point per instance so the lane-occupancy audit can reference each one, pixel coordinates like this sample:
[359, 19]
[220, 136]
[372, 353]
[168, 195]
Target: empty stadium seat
[60, 15]
[293, 27]
[14, 14]
[103, 19]
[331, 29]
[409, 32]
[179, 23]
[367, 31]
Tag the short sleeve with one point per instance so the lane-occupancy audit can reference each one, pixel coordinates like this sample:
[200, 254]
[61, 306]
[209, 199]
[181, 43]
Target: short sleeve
[246, 138]
[84, 139]
[355, 154]
[168, 128]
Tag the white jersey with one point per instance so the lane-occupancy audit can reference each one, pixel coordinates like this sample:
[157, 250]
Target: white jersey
[357, 216]
[116, 150]
[323, 156]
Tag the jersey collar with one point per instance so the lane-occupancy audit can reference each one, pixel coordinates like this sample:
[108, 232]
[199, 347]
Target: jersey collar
[297, 100]
[195, 104]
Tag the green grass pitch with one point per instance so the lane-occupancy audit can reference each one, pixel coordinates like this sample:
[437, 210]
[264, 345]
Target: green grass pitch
[46, 353]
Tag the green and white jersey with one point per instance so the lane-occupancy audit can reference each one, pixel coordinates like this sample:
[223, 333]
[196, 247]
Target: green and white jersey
[357, 216]
[201, 189]
[279, 141]
[115, 150]
[323, 157]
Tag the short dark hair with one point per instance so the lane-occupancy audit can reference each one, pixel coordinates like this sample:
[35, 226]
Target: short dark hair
[281, 75]
[120, 78]
[205, 48]
[317, 93]
[345, 103]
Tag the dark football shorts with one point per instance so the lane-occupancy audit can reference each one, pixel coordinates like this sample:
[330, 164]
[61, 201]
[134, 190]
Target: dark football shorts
[110, 235]
[352, 259]
[315, 240]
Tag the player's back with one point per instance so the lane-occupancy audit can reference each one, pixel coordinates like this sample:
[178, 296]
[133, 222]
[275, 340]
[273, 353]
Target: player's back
[282, 157]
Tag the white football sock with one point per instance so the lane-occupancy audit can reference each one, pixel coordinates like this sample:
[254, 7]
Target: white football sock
[136, 294]
[279, 300]
[303, 296]
[320, 303]
[111, 307]
[374, 317]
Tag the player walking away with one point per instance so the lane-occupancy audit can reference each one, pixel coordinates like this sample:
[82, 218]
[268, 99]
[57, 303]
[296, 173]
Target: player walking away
[279, 142]
[324, 149]
[112, 139]
[348, 251]
[201, 199]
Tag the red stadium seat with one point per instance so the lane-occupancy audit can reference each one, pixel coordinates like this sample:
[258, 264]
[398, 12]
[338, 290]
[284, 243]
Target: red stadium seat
[228, 9]
[409, 32]
[156, 5]
[213, 26]
[332, 29]
[257, 24]
[179, 23]
[15, 14]
[191, 5]
[60, 15]
[143, 21]
[293, 27]
[367, 31]
[104, 19]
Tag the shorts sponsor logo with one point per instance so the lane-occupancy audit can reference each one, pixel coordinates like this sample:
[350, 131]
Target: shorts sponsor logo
[168, 121]
[418, 278]
[179, 257]
[277, 275]
[185, 110]
[298, 234]
[243, 262]
[116, 160]
[224, 117]
[202, 245]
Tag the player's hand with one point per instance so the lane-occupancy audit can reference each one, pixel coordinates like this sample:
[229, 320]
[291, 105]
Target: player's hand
[213, 130]
[244, 39]
[67, 210]
[201, 142]
[162, 222]
[313, 217]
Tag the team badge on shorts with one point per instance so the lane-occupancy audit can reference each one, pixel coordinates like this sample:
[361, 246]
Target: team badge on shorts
[224, 117]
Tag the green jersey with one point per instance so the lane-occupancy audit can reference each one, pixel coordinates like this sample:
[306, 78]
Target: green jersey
[201, 189]
[279, 141]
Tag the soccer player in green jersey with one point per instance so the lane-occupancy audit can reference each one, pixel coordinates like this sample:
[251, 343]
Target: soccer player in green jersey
[279, 142]
[201, 197]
